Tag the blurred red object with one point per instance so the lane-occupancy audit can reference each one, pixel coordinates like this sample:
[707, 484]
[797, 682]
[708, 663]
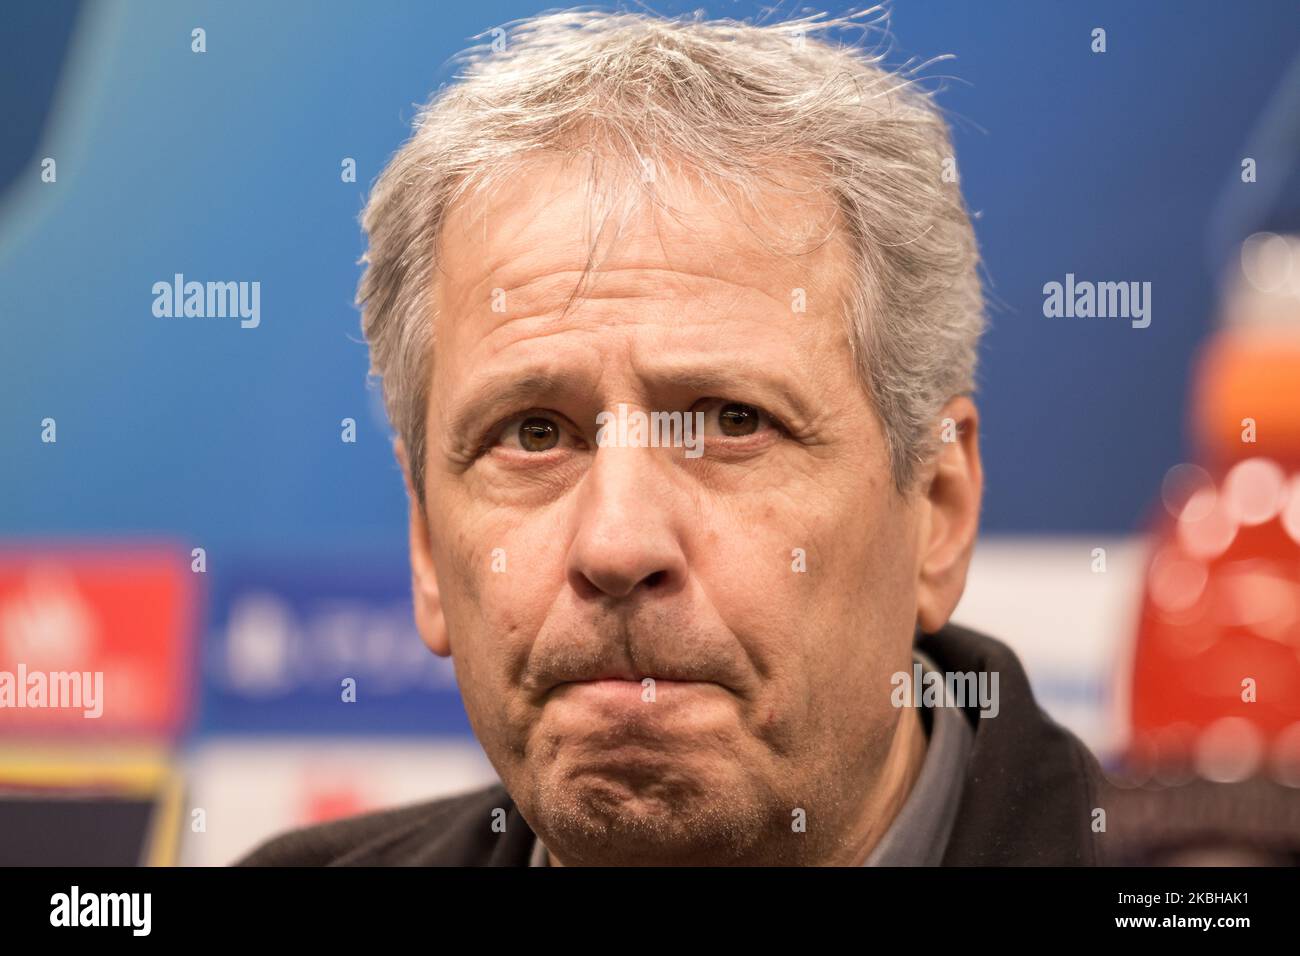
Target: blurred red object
[1216, 682]
[96, 640]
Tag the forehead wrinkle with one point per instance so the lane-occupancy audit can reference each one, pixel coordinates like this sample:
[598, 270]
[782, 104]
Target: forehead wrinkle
[703, 380]
[609, 285]
[736, 251]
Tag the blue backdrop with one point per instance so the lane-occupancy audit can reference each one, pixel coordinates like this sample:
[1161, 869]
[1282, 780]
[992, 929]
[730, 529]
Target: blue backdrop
[226, 165]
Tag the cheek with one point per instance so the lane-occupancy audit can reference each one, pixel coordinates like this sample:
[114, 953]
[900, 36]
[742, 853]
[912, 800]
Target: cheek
[463, 560]
[870, 581]
[500, 585]
[821, 593]
[499, 582]
[761, 567]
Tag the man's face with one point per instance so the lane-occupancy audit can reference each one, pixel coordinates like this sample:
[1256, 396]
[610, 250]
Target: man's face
[768, 587]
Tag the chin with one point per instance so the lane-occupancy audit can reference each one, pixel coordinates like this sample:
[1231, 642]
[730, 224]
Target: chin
[646, 816]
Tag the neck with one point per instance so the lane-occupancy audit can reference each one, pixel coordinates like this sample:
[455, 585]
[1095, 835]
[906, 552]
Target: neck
[901, 768]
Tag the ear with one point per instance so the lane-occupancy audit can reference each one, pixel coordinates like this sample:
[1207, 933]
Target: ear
[952, 487]
[429, 619]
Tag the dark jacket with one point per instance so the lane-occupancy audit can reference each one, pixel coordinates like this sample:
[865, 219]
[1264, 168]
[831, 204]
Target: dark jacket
[1030, 791]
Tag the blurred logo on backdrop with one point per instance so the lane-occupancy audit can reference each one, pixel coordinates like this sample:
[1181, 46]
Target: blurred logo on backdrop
[96, 686]
[96, 640]
[322, 647]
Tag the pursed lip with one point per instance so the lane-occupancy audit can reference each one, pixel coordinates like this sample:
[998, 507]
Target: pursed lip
[615, 682]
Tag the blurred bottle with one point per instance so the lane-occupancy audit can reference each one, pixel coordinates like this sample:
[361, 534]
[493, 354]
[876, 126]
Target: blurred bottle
[1215, 696]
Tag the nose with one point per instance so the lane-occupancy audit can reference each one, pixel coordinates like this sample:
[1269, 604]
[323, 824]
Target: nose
[628, 536]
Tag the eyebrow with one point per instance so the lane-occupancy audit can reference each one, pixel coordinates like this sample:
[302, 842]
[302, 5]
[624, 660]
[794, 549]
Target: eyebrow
[504, 392]
[738, 381]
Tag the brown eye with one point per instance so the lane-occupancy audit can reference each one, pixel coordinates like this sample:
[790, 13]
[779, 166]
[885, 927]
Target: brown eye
[737, 420]
[535, 432]
[538, 434]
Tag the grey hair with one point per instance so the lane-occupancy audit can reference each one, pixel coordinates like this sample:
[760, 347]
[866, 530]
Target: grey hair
[723, 98]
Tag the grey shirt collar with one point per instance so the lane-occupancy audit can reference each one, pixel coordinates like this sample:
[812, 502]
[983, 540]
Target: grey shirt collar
[919, 834]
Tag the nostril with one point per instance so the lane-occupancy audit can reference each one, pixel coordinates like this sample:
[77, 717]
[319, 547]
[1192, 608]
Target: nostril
[656, 579]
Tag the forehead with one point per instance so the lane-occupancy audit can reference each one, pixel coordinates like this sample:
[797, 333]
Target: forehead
[557, 231]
